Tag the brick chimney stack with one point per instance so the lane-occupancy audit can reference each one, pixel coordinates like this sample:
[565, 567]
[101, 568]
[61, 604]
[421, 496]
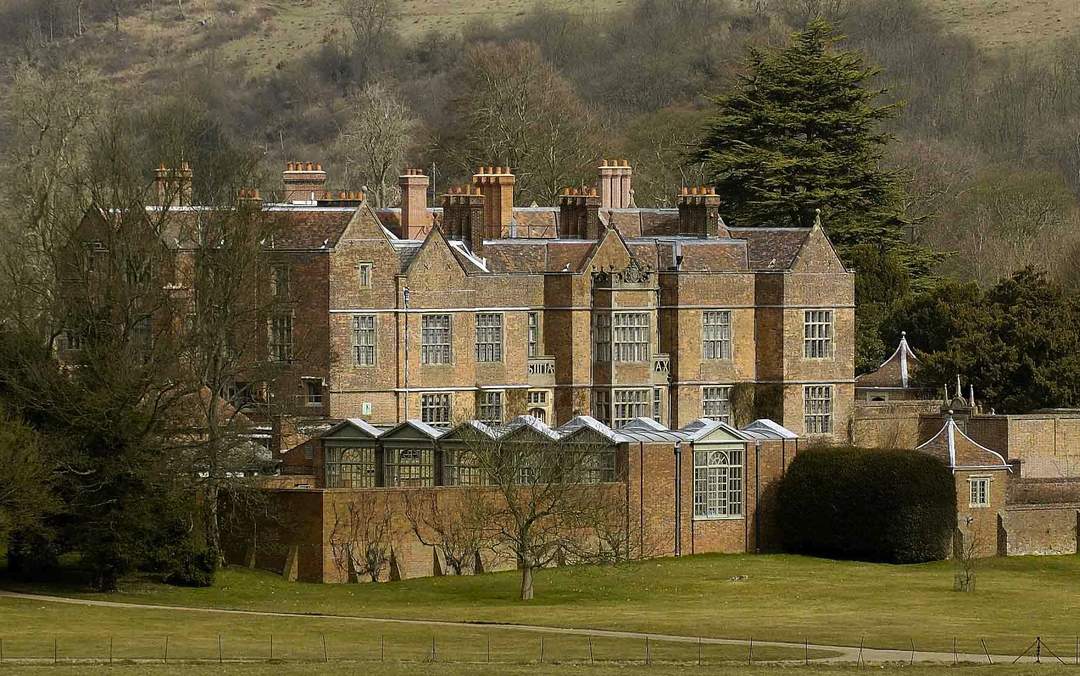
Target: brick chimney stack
[304, 182]
[415, 216]
[615, 184]
[463, 216]
[579, 213]
[699, 212]
[250, 199]
[173, 186]
[496, 184]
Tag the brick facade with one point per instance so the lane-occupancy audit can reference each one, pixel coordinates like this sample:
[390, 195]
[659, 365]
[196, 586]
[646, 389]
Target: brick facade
[652, 487]
[593, 268]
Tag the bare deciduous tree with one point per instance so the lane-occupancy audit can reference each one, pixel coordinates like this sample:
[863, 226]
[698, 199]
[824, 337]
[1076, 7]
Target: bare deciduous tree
[362, 537]
[514, 109]
[377, 133]
[536, 511]
[966, 557]
[450, 523]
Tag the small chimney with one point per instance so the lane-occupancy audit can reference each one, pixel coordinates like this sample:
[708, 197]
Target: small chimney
[699, 212]
[250, 199]
[344, 198]
[496, 184]
[463, 216]
[415, 216]
[304, 182]
[579, 213]
[615, 184]
[173, 186]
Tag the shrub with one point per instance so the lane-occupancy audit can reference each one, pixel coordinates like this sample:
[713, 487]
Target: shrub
[896, 506]
[32, 554]
[193, 568]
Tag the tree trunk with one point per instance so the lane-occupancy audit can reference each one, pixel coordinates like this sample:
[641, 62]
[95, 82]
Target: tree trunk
[526, 582]
[213, 530]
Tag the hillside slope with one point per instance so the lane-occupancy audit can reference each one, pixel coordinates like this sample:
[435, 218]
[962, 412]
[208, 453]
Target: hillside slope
[266, 33]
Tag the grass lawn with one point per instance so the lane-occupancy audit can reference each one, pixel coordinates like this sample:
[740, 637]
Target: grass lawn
[408, 669]
[32, 630]
[768, 597]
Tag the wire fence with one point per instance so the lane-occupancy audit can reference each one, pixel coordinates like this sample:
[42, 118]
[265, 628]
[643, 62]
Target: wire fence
[496, 647]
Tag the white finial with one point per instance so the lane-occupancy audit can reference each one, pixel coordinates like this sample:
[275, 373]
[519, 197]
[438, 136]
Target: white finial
[902, 349]
[959, 387]
[817, 218]
[971, 395]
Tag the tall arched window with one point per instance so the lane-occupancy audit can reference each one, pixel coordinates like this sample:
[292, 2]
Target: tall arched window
[718, 483]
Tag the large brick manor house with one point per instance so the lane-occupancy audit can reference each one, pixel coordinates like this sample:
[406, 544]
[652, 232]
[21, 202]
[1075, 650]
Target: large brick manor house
[480, 309]
[698, 359]
[654, 333]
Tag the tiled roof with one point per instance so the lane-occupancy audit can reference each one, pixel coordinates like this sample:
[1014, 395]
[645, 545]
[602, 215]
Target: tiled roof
[568, 255]
[536, 222]
[894, 372]
[308, 228]
[703, 255]
[643, 222]
[771, 248]
[535, 247]
[959, 451]
[506, 255]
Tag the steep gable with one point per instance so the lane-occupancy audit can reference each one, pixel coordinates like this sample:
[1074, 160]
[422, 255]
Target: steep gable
[817, 253]
[365, 225]
[435, 258]
[610, 251]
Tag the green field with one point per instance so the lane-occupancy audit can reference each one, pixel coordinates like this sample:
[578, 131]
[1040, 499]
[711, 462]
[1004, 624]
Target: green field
[33, 630]
[408, 669]
[770, 597]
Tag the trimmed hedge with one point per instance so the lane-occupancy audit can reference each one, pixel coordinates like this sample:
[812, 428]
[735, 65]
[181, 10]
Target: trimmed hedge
[895, 506]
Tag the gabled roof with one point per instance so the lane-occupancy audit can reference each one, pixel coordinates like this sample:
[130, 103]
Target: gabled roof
[763, 428]
[529, 422]
[643, 423]
[894, 372]
[586, 422]
[817, 253]
[959, 451]
[701, 428]
[358, 426]
[435, 239]
[469, 427]
[649, 430]
[417, 426]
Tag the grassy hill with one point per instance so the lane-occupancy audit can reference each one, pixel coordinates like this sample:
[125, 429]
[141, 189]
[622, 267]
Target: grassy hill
[266, 33]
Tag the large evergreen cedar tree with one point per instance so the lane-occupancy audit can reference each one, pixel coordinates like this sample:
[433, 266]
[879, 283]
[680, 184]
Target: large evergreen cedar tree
[893, 506]
[800, 133]
[1017, 343]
